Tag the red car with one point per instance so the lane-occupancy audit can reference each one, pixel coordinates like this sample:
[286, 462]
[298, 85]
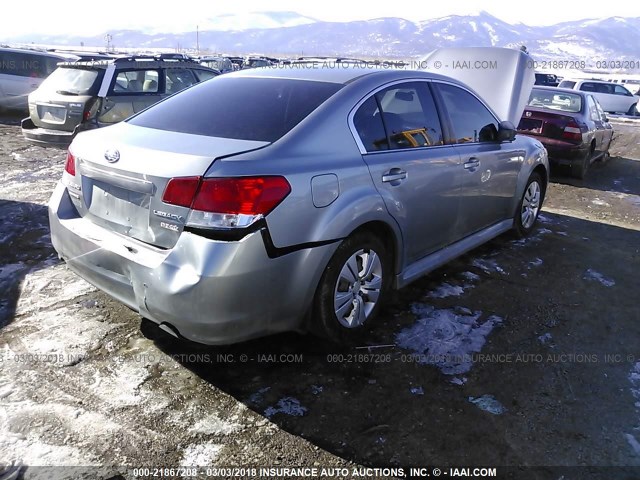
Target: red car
[570, 124]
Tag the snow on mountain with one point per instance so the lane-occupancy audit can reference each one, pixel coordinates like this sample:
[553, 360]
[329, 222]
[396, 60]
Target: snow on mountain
[289, 33]
[254, 20]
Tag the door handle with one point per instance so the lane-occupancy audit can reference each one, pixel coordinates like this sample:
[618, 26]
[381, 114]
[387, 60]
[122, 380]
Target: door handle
[472, 164]
[394, 175]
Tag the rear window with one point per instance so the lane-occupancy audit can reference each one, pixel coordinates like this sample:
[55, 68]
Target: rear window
[567, 84]
[73, 81]
[553, 100]
[261, 109]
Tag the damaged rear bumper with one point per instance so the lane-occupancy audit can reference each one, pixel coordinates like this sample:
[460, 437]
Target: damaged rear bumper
[208, 291]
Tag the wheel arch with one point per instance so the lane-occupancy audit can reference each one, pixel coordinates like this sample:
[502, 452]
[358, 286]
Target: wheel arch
[388, 235]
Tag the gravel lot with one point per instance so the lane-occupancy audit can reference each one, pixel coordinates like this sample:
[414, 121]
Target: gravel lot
[519, 353]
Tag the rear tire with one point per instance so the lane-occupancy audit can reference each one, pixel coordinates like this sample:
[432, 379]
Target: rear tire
[579, 169]
[352, 288]
[529, 206]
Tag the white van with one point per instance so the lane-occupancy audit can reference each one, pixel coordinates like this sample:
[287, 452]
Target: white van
[613, 98]
[22, 71]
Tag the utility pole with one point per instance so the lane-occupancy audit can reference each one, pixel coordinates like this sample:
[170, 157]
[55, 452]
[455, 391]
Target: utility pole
[197, 40]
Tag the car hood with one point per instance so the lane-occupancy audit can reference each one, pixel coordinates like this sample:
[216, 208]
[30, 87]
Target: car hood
[503, 77]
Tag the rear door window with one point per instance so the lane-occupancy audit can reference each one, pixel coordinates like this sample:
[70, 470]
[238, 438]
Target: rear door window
[204, 75]
[368, 123]
[620, 90]
[567, 84]
[593, 110]
[401, 116]
[178, 79]
[472, 122]
[136, 82]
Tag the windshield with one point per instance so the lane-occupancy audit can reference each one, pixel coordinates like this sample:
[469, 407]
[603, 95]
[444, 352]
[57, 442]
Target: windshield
[552, 100]
[73, 81]
[261, 109]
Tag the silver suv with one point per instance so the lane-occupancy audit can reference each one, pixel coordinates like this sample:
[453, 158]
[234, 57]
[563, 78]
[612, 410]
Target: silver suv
[280, 199]
[85, 95]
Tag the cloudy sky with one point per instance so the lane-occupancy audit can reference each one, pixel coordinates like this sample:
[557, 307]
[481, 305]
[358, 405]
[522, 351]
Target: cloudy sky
[82, 17]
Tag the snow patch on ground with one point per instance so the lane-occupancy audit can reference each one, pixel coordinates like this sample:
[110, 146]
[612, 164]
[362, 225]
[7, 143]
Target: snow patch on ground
[536, 263]
[487, 265]
[202, 455]
[417, 390]
[446, 338]
[598, 277]
[488, 403]
[447, 290]
[214, 425]
[601, 203]
[122, 384]
[545, 339]
[472, 277]
[47, 286]
[288, 406]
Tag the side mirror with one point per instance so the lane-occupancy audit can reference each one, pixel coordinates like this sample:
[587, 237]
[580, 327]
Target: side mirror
[605, 118]
[506, 132]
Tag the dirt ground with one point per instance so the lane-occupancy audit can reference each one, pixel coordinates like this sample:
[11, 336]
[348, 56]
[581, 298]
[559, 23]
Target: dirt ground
[521, 353]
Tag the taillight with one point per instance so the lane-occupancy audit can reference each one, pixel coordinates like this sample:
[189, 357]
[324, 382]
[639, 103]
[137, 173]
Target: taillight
[572, 131]
[244, 195]
[181, 191]
[70, 166]
[226, 202]
[91, 109]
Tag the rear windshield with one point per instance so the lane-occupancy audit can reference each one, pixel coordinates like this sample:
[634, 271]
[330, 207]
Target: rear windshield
[565, 102]
[567, 84]
[261, 109]
[73, 81]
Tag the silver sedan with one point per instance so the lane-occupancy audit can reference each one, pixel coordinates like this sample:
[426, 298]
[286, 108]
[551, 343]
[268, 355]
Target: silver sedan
[290, 199]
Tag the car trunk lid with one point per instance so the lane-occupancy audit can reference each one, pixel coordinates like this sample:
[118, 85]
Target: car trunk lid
[544, 123]
[503, 77]
[122, 172]
[63, 99]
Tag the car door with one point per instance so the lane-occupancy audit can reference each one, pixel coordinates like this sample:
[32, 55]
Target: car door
[624, 97]
[607, 128]
[402, 143]
[594, 122]
[489, 169]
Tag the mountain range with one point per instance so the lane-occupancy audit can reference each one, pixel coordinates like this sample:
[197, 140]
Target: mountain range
[288, 33]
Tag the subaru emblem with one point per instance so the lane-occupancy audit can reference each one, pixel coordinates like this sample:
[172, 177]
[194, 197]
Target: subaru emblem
[112, 156]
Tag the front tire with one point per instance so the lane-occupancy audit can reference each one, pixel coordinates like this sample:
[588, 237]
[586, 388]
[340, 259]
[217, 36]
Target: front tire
[352, 288]
[529, 206]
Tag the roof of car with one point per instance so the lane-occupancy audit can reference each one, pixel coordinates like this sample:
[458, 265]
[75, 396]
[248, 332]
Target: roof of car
[334, 73]
[34, 51]
[137, 63]
[594, 80]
